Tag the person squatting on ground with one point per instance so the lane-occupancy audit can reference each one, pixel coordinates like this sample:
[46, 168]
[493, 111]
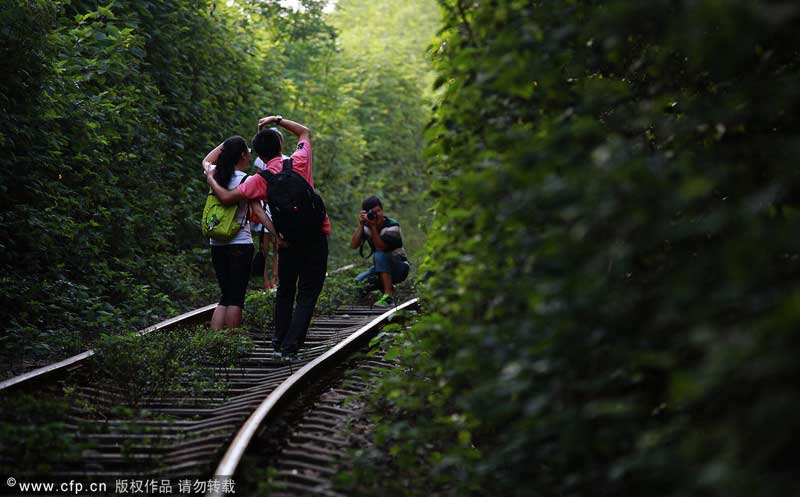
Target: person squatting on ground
[303, 263]
[389, 263]
[232, 259]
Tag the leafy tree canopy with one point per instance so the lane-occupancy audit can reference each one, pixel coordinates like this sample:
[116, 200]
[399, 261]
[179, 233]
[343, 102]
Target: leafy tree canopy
[109, 107]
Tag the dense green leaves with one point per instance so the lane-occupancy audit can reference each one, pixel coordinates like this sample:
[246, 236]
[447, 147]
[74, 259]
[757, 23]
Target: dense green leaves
[109, 108]
[34, 438]
[183, 361]
[614, 254]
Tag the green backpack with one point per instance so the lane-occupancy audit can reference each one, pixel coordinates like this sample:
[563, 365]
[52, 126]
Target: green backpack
[219, 220]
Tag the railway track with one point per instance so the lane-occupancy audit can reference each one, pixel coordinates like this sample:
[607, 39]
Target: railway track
[182, 438]
[303, 451]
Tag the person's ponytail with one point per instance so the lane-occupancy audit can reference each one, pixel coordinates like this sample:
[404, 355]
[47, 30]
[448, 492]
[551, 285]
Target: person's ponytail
[229, 156]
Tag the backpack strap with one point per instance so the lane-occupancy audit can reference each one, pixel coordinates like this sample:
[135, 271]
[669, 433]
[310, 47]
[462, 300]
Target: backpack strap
[247, 204]
[287, 164]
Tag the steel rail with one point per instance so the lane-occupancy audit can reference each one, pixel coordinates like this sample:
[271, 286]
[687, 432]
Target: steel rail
[319, 434]
[60, 366]
[230, 461]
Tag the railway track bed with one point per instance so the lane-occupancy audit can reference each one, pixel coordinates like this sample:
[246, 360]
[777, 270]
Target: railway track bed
[182, 436]
[301, 452]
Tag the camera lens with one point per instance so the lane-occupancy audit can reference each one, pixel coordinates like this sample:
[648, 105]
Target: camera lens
[370, 214]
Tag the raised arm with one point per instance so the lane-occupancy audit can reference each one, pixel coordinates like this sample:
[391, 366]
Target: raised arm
[298, 129]
[375, 235]
[355, 242]
[211, 158]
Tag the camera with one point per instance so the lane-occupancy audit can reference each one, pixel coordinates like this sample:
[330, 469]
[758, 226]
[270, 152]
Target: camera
[371, 215]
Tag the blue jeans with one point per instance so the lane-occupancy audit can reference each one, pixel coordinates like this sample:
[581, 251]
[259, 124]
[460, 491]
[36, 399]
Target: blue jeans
[383, 262]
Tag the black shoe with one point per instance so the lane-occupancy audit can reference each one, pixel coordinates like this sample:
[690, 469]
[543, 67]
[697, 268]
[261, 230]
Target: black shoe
[289, 356]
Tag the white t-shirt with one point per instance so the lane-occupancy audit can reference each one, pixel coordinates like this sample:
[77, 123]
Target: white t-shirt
[243, 236]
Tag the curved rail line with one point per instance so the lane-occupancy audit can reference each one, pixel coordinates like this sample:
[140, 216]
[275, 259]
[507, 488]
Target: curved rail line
[311, 444]
[47, 372]
[229, 463]
[176, 435]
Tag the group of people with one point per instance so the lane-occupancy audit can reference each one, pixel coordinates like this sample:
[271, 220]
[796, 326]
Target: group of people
[301, 261]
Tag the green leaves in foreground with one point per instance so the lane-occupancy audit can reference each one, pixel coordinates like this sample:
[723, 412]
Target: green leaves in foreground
[34, 438]
[614, 255]
[179, 361]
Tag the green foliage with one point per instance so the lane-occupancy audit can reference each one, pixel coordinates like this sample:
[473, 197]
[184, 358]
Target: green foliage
[614, 255]
[33, 436]
[157, 363]
[401, 441]
[340, 288]
[85, 173]
[109, 107]
[259, 307]
[384, 46]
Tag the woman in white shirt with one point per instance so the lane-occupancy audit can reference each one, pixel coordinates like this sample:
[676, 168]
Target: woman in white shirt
[232, 259]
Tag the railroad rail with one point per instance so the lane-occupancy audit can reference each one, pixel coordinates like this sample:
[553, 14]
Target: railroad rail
[49, 372]
[326, 361]
[305, 448]
[176, 436]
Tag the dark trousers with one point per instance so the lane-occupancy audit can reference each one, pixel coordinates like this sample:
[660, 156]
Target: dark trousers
[232, 265]
[301, 271]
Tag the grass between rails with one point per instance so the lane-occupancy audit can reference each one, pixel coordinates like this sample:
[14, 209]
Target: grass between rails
[179, 361]
[35, 438]
[134, 368]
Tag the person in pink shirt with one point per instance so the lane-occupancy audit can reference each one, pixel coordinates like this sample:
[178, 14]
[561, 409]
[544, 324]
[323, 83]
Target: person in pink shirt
[302, 268]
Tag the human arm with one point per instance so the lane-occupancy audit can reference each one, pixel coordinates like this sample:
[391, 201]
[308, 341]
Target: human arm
[375, 235]
[224, 195]
[255, 207]
[211, 159]
[266, 221]
[298, 129]
[355, 242]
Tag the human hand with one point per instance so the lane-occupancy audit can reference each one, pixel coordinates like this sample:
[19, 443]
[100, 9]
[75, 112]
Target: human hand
[362, 217]
[373, 222]
[210, 174]
[209, 169]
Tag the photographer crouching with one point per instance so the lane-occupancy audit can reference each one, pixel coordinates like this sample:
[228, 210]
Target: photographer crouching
[389, 263]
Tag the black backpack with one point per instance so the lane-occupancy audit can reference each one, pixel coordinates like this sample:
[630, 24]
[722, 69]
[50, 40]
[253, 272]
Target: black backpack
[297, 210]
